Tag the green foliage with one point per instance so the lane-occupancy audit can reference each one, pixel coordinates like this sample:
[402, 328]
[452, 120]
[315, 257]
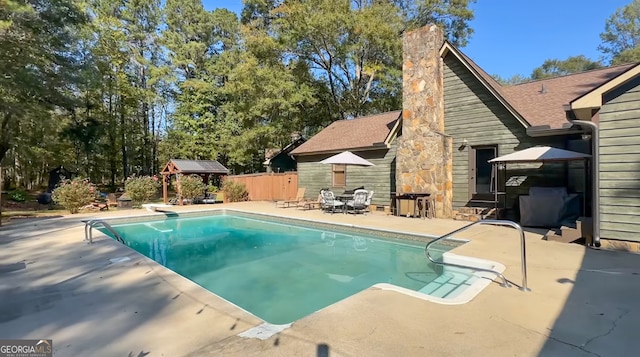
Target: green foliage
[453, 16]
[234, 191]
[212, 188]
[191, 187]
[38, 51]
[73, 194]
[621, 35]
[513, 80]
[555, 68]
[141, 189]
[355, 52]
[18, 195]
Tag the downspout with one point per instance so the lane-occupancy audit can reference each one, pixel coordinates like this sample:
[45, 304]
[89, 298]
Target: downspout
[595, 176]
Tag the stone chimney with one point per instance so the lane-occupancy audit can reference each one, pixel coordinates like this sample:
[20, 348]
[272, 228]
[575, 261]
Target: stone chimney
[424, 161]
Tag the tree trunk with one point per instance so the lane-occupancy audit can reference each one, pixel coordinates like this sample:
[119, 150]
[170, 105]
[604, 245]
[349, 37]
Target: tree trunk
[123, 137]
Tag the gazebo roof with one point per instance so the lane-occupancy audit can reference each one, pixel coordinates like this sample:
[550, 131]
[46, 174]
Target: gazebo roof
[195, 167]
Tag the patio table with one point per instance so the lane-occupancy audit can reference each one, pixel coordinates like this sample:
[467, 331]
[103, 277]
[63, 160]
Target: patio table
[344, 197]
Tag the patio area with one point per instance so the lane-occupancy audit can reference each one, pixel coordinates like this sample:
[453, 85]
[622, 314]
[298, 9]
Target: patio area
[106, 299]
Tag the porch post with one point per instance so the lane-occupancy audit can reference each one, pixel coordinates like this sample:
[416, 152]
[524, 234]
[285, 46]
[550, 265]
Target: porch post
[164, 188]
[179, 187]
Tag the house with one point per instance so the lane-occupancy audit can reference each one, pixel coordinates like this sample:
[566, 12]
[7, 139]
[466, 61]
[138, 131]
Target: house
[372, 137]
[456, 117]
[281, 160]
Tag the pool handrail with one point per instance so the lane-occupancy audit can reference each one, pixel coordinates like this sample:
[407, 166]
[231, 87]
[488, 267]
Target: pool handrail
[88, 225]
[496, 222]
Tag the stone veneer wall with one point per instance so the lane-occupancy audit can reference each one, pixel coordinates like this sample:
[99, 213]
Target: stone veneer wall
[424, 160]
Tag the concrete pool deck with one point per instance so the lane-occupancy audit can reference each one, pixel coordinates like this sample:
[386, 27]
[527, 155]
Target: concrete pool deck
[106, 299]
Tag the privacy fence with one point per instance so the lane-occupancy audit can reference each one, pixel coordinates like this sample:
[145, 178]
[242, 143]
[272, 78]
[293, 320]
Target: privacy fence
[269, 186]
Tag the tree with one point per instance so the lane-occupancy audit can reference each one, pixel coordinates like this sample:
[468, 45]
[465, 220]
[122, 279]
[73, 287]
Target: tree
[621, 35]
[513, 80]
[555, 67]
[452, 16]
[354, 51]
[38, 51]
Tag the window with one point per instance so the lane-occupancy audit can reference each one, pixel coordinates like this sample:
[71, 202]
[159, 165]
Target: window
[339, 173]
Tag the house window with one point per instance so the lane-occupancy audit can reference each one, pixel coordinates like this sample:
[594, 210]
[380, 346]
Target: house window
[339, 173]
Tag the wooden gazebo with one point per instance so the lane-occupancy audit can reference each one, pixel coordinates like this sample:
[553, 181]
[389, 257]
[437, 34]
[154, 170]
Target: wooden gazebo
[177, 167]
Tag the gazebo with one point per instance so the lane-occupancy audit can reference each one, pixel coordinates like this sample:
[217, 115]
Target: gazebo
[178, 167]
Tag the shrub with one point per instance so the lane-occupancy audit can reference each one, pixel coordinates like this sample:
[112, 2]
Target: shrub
[235, 191]
[141, 189]
[18, 195]
[73, 194]
[191, 187]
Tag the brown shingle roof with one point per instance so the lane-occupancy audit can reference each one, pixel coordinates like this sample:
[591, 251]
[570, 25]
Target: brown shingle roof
[362, 132]
[546, 107]
[542, 102]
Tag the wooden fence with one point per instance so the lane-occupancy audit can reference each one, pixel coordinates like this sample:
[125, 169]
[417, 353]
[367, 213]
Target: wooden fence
[269, 186]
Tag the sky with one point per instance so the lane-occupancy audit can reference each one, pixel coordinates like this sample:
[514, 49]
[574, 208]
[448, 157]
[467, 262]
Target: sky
[515, 36]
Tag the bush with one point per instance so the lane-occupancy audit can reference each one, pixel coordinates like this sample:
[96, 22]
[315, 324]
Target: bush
[73, 194]
[18, 195]
[141, 189]
[235, 191]
[191, 187]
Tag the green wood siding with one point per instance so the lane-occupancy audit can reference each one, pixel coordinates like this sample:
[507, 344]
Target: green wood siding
[619, 167]
[471, 112]
[381, 178]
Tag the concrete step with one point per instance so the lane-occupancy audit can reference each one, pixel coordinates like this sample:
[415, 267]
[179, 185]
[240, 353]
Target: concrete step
[448, 285]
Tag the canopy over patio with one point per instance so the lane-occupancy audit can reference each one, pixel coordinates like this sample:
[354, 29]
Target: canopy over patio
[179, 167]
[540, 154]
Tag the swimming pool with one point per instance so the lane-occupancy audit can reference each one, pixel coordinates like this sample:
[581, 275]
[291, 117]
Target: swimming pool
[282, 269]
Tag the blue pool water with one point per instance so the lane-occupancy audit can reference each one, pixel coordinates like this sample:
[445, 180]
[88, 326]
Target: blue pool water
[278, 272]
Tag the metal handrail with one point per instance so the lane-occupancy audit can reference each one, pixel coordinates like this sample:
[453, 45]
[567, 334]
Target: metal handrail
[88, 236]
[495, 222]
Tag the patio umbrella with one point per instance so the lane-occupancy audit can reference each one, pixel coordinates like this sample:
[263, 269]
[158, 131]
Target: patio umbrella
[346, 158]
[541, 154]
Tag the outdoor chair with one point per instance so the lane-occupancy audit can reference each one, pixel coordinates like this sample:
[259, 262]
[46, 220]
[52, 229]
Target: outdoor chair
[289, 203]
[330, 203]
[310, 204]
[368, 202]
[359, 202]
[112, 200]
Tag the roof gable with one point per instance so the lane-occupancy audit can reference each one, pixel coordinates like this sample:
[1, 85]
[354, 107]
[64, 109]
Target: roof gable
[542, 102]
[487, 81]
[362, 133]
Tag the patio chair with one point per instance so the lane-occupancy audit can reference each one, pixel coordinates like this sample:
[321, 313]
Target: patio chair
[310, 204]
[112, 200]
[288, 203]
[330, 203]
[359, 202]
[368, 202]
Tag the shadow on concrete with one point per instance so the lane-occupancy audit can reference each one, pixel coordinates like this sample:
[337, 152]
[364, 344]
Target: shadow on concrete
[601, 316]
[66, 289]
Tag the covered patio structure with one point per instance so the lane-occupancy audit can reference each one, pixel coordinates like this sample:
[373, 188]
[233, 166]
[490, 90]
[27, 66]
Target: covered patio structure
[541, 154]
[178, 167]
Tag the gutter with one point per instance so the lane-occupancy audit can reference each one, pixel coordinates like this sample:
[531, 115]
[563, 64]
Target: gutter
[595, 176]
